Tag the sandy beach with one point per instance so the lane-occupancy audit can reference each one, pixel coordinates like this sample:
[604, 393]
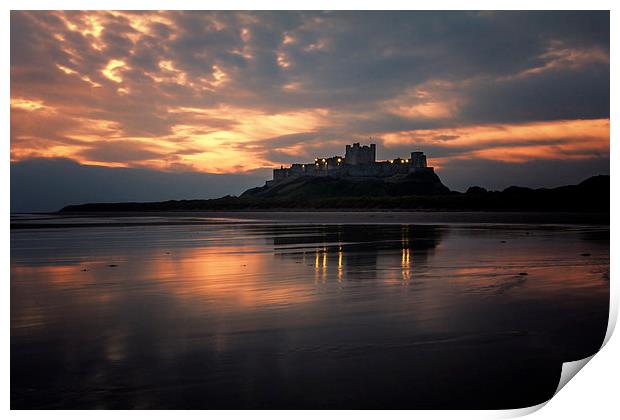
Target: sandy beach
[305, 217]
[215, 312]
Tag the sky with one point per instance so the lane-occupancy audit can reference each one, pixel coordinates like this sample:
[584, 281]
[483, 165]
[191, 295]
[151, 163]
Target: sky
[167, 104]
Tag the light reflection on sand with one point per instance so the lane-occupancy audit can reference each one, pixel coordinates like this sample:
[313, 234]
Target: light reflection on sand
[189, 311]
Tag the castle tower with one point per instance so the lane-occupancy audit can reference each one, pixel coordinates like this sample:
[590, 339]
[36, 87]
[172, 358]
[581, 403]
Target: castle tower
[356, 154]
[418, 160]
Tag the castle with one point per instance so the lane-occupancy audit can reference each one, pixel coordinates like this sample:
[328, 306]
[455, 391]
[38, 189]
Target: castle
[358, 162]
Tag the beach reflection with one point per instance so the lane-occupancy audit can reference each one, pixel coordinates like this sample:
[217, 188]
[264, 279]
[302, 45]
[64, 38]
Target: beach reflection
[314, 316]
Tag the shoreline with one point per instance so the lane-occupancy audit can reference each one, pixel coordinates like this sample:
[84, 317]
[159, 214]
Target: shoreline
[99, 219]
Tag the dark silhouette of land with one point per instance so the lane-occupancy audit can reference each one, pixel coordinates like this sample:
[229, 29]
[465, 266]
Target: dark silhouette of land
[410, 193]
[318, 188]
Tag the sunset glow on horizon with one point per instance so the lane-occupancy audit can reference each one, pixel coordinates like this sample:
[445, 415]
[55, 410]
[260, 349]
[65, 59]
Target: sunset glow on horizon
[229, 92]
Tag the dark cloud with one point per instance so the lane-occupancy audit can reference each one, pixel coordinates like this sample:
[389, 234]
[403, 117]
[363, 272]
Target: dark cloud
[120, 151]
[50, 184]
[552, 95]
[461, 174]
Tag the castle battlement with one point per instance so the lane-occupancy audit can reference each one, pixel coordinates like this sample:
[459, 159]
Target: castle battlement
[356, 154]
[359, 161]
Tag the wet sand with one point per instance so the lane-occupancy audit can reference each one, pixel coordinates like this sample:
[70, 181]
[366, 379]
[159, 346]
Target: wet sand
[19, 221]
[228, 313]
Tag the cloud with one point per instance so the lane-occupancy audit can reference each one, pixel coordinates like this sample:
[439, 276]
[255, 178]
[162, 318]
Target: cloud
[228, 91]
[50, 184]
[120, 151]
[494, 175]
[562, 140]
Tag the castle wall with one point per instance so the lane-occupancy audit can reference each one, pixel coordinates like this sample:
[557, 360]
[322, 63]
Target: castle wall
[359, 162]
[279, 174]
[377, 169]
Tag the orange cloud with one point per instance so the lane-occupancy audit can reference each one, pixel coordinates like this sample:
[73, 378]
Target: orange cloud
[432, 100]
[573, 139]
[27, 104]
[113, 70]
[560, 56]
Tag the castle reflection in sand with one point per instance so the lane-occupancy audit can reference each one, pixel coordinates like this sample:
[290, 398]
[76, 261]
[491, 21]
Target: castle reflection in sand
[346, 251]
